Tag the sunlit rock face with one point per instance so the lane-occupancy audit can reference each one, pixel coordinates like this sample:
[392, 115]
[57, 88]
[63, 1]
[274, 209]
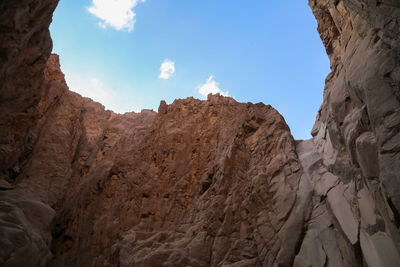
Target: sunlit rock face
[202, 183]
[198, 183]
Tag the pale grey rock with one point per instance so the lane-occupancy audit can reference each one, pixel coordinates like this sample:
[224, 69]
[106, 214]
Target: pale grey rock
[367, 207]
[325, 243]
[326, 183]
[356, 132]
[379, 250]
[311, 254]
[343, 212]
[367, 155]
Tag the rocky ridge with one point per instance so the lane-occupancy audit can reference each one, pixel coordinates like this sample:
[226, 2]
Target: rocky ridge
[202, 183]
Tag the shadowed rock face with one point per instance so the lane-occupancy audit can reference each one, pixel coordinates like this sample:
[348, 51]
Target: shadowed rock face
[202, 183]
[25, 45]
[355, 150]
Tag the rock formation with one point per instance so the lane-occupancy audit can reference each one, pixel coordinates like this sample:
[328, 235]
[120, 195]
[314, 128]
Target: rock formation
[202, 183]
[353, 159]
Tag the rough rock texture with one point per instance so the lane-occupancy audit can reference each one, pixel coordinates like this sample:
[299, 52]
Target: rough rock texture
[202, 183]
[184, 189]
[353, 159]
[25, 45]
[177, 187]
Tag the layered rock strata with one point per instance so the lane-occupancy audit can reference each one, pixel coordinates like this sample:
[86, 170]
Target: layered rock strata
[202, 183]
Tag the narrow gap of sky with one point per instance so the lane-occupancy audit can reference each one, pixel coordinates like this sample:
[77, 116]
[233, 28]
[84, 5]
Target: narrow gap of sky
[130, 54]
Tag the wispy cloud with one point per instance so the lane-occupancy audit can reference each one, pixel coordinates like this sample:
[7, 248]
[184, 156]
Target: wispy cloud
[102, 25]
[118, 14]
[167, 69]
[97, 90]
[211, 87]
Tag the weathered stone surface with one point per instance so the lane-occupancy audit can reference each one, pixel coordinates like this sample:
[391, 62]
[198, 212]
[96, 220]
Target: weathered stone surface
[367, 155]
[356, 134]
[343, 213]
[361, 97]
[379, 250]
[25, 231]
[25, 46]
[187, 191]
[328, 231]
[175, 187]
[202, 183]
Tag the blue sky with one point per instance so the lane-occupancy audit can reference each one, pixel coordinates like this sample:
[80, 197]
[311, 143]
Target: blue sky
[130, 54]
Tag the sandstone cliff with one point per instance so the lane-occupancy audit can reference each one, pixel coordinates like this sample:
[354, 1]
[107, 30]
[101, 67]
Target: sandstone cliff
[202, 183]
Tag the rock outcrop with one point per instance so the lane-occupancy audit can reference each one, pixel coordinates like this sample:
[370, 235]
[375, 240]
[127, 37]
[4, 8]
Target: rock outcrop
[177, 187]
[25, 45]
[202, 183]
[353, 159]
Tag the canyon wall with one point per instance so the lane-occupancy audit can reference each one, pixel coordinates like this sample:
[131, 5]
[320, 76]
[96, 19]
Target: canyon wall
[357, 134]
[25, 45]
[177, 187]
[202, 183]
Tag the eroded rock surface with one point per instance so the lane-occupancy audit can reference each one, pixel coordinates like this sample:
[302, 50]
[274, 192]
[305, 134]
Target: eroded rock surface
[199, 183]
[356, 134]
[202, 183]
[25, 45]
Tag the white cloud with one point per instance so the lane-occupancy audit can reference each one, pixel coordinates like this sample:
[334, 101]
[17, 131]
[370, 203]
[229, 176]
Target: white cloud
[95, 89]
[118, 14]
[167, 69]
[211, 87]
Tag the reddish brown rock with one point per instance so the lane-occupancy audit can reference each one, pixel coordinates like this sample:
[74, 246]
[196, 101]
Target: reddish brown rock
[25, 46]
[175, 187]
[201, 183]
[188, 191]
